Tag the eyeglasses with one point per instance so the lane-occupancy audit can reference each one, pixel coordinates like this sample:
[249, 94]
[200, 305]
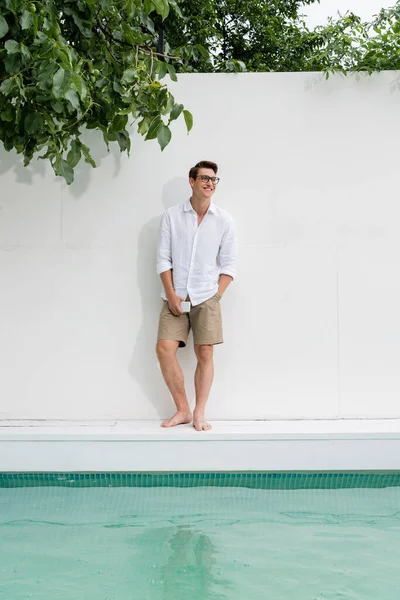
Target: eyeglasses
[207, 178]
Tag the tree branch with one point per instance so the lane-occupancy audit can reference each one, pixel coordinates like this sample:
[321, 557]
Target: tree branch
[149, 51]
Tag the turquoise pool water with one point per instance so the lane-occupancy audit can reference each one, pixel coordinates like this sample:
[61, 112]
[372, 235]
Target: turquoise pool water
[233, 537]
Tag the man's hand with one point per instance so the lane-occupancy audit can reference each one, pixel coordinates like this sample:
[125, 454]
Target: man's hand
[174, 302]
[224, 281]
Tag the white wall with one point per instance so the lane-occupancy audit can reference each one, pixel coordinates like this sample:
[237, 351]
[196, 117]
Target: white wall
[309, 170]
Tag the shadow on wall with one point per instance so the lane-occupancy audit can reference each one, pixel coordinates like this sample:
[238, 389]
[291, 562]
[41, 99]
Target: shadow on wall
[11, 161]
[98, 149]
[144, 366]
[83, 171]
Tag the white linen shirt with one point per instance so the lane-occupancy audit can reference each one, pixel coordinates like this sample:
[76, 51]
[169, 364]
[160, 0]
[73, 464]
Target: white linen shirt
[197, 254]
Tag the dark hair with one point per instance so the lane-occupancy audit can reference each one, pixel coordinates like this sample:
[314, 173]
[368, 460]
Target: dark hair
[203, 164]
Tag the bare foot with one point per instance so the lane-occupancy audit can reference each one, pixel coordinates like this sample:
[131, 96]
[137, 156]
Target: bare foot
[179, 418]
[199, 423]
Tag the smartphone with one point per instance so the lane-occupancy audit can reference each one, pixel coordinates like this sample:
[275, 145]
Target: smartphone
[185, 306]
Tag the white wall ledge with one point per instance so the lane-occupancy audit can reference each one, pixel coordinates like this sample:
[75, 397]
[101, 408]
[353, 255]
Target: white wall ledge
[143, 446]
[124, 430]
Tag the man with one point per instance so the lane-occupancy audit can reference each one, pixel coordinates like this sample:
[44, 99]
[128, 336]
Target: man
[196, 260]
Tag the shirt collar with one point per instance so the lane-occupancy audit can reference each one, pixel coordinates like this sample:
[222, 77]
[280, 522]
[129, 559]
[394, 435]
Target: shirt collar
[188, 206]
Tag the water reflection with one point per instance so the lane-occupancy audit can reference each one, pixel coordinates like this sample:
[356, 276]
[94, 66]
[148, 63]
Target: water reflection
[191, 568]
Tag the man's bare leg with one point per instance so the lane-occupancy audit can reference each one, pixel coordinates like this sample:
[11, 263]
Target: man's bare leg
[173, 376]
[203, 380]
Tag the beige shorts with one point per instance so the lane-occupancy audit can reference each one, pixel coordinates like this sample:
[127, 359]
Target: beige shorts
[204, 319]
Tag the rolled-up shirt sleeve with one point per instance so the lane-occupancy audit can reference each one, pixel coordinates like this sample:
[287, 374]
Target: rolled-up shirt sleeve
[228, 251]
[164, 252]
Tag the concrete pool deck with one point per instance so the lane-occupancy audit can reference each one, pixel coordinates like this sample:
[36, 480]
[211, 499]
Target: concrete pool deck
[116, 445]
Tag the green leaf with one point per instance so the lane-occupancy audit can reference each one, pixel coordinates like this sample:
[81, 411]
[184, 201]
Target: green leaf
[45, 77]
[162, 70]
[119, 123]
[203, 51]
[176, 8]
[83, 26]
[154, 125]
[170, 103]
[51, 152]
[176, 111]
[72, 97]
[86, 154]
[123, 140]
[78, 85]
[188, 119]
[128, 110]
[58, 80]
[7, 86]
[8, 144]
[26, 19]
[58, 107]
[8, 113]
[41, 38]
[117, 88]
[74, 155]
[148, 6]
[172, 72]
[163, 136]
[162, 8]
[143, 126]
[32, 123]
[63, 169]
[12, 63]
[19, 143]
[12, 47]
[25, 52]
[3, 26]
[129, 76]
[146, 21]
[28, 156]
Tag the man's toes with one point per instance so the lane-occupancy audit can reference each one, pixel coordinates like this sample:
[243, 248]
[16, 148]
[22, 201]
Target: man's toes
[202, 426]
[169, 422]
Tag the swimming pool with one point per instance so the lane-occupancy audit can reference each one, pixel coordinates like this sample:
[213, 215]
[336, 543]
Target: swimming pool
[200, 535]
